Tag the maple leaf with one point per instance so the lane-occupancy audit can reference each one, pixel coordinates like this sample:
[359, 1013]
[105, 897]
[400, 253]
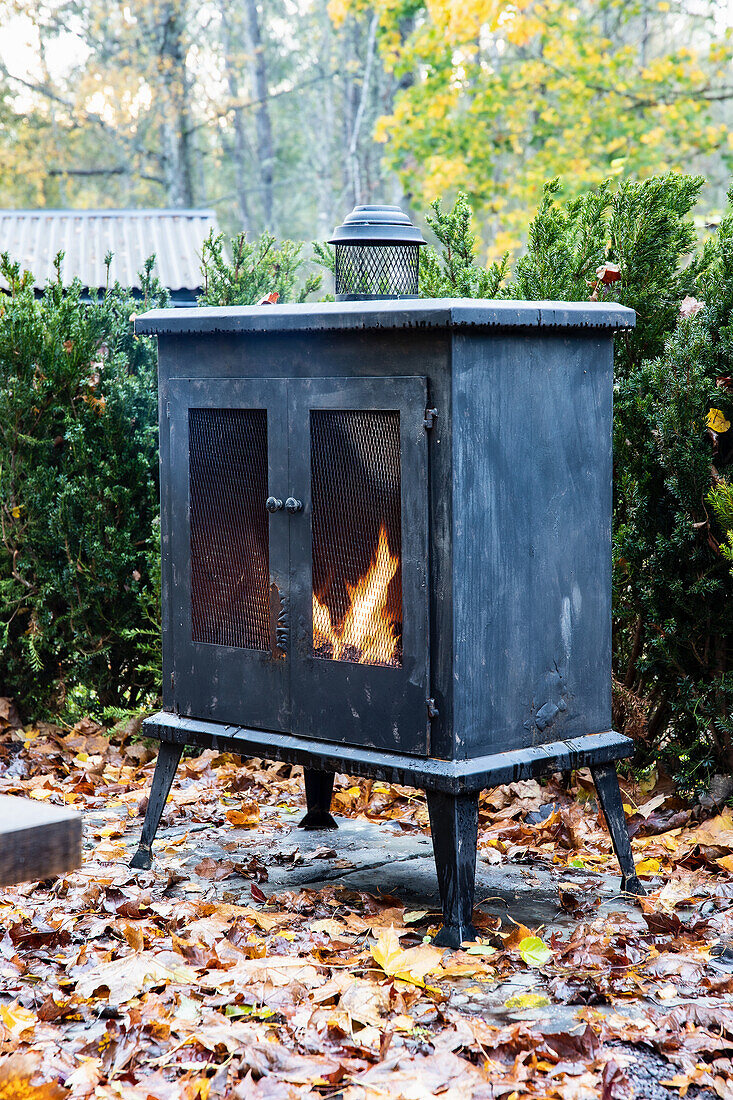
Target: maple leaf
[411, 965]
[127, 977]
[18, 1075]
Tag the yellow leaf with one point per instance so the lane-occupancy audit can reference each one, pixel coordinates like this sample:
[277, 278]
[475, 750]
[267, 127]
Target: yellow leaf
[534, 951]
[717, 421]
[527, 1000]
[18, 1075]
[648, 867]
[411, 965]
[17, 1019]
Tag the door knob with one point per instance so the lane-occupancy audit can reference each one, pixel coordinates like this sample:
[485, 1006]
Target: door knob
[292, 505]
[273, 504]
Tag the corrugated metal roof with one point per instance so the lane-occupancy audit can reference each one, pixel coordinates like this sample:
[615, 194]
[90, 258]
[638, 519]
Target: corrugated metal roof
[33, 237]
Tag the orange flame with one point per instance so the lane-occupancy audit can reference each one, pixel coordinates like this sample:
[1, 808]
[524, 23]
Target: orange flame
[368, 629]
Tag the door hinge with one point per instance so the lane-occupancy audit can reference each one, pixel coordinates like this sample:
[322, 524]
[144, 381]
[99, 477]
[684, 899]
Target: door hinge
[168, 410]
[431, 415]
[433, 711]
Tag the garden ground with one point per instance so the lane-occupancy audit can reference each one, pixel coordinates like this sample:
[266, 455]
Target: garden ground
[259, 961]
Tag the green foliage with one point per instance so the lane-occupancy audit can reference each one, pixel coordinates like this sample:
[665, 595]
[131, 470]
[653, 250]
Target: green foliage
[451, 271]
[720, 499]
[643, 227]
[257, 268]
[78, 494]
[672, 580]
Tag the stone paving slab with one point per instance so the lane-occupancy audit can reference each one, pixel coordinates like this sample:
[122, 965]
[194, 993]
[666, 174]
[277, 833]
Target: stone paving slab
[379, 857]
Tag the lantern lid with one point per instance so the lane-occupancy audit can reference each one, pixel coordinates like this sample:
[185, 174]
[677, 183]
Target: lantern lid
[377, 225]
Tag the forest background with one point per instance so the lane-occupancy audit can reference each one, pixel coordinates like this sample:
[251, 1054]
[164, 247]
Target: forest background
[281, 115]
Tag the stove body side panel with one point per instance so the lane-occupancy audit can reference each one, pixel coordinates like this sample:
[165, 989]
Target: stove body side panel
[531, 537]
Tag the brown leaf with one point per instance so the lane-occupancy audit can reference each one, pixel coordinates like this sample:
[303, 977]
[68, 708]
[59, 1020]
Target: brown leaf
[616, 1085]
[9, 717]
[365, 1002]
[608, 273]
[254, 868]
[134, 936]
[246, 817]
[569, 1046]
[214, 869]
[127, 977]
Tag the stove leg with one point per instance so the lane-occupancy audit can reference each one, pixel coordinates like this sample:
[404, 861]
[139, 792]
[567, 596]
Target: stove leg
[609, 796]
[318, 792]
[169, 756]
[454, 826]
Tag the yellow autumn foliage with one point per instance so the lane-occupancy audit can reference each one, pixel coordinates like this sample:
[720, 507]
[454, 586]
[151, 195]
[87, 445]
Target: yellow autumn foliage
[507, 95]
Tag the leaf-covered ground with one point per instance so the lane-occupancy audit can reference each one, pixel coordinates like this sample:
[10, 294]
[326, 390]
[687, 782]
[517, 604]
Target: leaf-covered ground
[209, 976]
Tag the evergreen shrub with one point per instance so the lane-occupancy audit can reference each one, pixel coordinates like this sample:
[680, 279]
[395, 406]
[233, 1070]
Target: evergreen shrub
[257, 269]
[78, 496]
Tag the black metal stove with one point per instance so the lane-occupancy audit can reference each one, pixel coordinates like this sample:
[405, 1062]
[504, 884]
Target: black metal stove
[387, 551]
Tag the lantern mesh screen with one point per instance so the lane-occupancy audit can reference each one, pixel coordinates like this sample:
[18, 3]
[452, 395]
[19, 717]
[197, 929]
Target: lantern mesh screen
[381, 270]
[356, 536]
[230, 568]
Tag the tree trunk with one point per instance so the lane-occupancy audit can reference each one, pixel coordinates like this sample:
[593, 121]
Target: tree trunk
[354, 160]
[327, 214]
[239, 150]
[177, 135]
[265, 150]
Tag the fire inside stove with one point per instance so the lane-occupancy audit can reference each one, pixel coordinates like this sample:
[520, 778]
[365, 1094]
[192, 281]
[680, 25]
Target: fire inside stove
[357, 536]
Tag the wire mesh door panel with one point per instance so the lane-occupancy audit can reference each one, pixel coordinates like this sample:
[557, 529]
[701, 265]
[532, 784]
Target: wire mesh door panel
[230, 536]
[359, 561]
[356, 535]
[228, 581]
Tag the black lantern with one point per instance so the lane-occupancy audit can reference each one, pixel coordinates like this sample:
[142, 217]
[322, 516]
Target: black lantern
[377, 255]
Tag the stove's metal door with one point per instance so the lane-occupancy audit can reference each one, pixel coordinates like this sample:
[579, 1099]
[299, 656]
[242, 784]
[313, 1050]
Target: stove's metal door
[359, 561]
[225, 592]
